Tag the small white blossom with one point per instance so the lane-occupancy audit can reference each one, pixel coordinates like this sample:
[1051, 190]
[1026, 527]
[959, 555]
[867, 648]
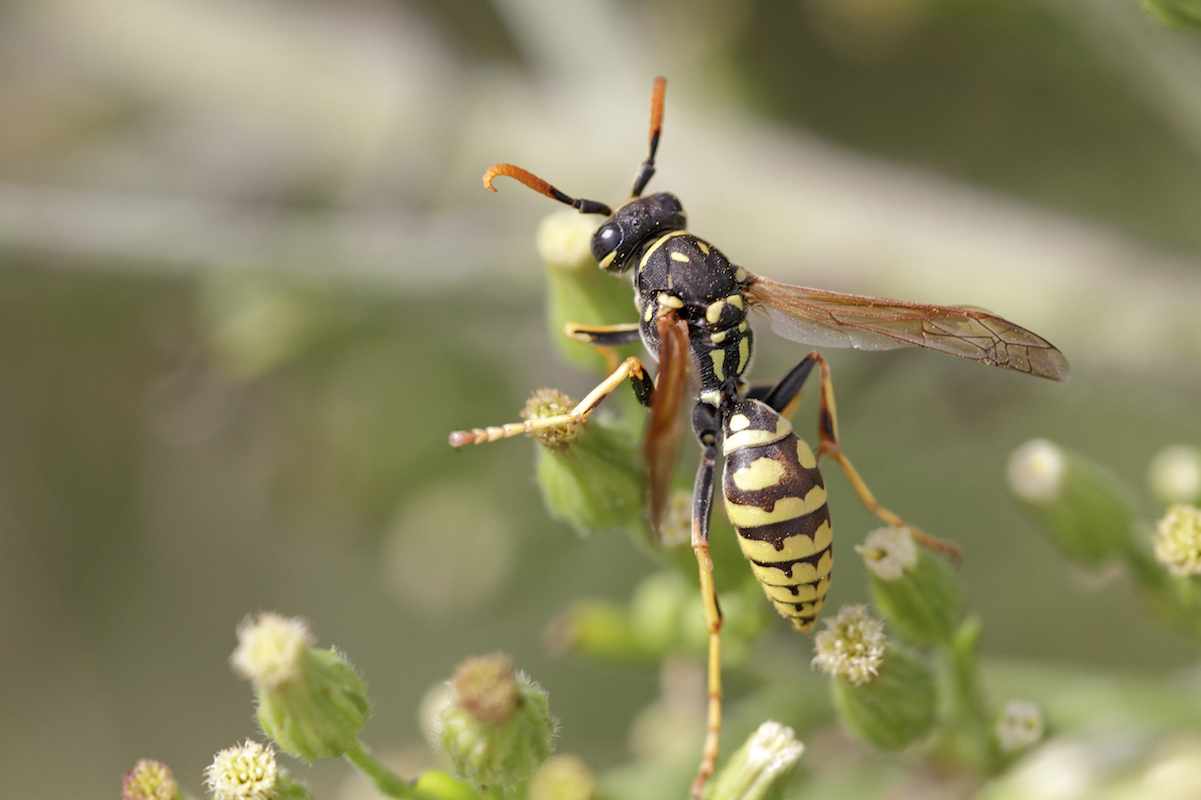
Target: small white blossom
[1036, 471]
[244, 772]
[1178, 540]
[889, 552]
[1019, 726]
[773, 748]
[1175, 474]
[271, 649]
[852, 645]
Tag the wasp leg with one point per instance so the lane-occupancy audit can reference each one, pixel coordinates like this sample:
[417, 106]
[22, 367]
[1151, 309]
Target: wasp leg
[702, 504]
[785, 396]
[828, 445]
[631, 368]
[604, 338]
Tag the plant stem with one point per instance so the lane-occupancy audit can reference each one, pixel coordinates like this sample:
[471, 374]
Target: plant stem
[384, 779]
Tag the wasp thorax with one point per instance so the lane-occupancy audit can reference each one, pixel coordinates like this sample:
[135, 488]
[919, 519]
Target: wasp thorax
[632, 225]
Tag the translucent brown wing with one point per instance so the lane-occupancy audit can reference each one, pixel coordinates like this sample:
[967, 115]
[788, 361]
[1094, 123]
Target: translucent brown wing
[834, 319]
[666, 419]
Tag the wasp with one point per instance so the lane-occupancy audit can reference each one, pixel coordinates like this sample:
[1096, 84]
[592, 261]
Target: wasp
[693, 318]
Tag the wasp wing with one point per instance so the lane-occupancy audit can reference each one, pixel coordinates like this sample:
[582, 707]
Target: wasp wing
[666, 419]
[834, 319]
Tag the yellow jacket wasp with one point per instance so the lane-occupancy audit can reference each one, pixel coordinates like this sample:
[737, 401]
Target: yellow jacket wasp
[693, 316]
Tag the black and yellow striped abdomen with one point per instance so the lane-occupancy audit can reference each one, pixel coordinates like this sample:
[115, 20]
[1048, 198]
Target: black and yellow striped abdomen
[776, 500]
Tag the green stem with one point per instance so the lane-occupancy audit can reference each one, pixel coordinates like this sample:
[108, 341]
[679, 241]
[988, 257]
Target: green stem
[969, 735]
[384, 779]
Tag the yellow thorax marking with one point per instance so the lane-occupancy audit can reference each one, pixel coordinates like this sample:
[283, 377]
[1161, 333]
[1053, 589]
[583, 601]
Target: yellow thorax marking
[658, 243]
[680, 257]
[719, 359]
[713, 312]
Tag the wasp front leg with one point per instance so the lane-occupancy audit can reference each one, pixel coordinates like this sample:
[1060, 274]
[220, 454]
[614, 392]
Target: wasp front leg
[828, 445]
[605, 338]
[631, 368]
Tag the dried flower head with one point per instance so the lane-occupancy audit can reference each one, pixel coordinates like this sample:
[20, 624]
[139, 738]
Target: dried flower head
[149, 780]
[1178, 540]
[243, 772]
[851, 646]
[1019, 726]
[551, 403]
[271, 649]
[486, 687]
[889, 552]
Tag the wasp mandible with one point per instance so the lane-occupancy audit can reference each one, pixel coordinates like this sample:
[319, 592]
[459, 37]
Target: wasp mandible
[693, 305]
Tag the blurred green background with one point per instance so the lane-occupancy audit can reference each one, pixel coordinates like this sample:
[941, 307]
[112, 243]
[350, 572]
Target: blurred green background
[249, 281]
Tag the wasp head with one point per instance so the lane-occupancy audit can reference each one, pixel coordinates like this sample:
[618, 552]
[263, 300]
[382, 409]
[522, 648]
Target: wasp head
[633, 224]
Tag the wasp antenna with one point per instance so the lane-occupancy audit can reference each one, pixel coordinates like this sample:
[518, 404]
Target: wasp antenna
[542, 187]
[647, 169]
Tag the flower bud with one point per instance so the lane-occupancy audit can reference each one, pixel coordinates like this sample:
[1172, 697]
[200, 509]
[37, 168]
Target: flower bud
[579, 291]
[150, 780]
[244, 772]
[913, 589]
[310, 702]
[1086, 510]
[884, 695]
[1175, 475]
[497, 728]
[1178, 541]
[563, 778]
[761, 767]
[590, 475]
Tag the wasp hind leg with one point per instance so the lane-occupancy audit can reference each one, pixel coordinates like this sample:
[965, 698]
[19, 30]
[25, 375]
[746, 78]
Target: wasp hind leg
[702, 505]
[631, 368]
[783, 396]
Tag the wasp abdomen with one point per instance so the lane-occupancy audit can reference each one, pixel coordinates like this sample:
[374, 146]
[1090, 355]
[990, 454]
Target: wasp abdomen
[776, 500]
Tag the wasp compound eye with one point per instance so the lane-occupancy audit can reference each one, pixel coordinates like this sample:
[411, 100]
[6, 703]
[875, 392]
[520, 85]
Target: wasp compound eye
[605, 243]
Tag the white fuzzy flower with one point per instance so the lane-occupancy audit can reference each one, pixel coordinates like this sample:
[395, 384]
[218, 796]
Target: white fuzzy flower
[889, 552]
[271, 649]
[1178, 540]
[243, 772]
[1036, 471]
[852, 645]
